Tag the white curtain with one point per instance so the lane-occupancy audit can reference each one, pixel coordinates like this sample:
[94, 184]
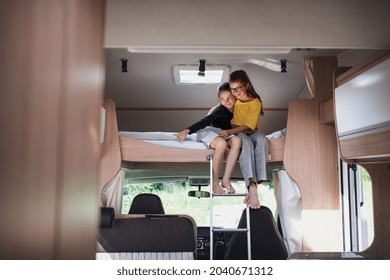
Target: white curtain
[288, 200]
[112, 192]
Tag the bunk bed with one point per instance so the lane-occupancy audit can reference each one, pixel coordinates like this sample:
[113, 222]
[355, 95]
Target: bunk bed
[120, 149]
[163, 147]
[157, 147]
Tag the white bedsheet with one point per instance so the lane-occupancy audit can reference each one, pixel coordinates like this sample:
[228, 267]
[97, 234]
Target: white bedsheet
[168, 139]
[155, 135]
[183, 145]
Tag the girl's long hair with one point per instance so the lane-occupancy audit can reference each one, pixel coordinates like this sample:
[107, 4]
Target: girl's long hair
[241, 76]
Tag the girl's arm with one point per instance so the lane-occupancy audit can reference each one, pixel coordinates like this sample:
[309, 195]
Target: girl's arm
[251, 121]
[234, 130]
[208, 120]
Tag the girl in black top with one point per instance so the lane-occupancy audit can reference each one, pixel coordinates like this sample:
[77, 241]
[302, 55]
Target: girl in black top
[208, 130]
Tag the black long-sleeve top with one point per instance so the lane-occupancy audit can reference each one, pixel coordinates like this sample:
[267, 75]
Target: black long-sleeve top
[220, 117]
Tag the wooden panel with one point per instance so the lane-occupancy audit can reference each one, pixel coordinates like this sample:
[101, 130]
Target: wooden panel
[310, 156]
[30, 78]
[134, 150]
[110, 162]
[310, 151]
[327, 112]
[311, 160]
[276, 148]
[51, 84]
[368, 146]
[81, 93]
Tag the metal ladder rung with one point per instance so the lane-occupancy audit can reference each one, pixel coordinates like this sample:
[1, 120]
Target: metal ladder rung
[230, 229]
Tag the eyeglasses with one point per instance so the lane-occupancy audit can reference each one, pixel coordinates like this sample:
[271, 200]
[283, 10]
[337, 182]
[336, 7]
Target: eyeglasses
[236, 89]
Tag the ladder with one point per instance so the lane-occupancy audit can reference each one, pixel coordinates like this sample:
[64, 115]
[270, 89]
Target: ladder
[215, 229]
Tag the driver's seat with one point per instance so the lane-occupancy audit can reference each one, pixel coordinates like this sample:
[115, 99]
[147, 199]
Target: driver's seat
[266, 241]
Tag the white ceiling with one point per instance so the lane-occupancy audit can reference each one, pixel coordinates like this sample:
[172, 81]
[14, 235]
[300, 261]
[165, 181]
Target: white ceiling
[297, 23]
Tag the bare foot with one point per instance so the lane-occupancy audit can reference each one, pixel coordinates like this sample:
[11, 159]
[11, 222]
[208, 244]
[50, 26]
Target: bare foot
[252, 198]
[217, 189]
[247, 199]
[229, 188]
[254, 203]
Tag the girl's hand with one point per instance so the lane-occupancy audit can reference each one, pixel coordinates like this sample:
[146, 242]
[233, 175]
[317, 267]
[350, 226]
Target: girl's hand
[181, 135]
[224, 134]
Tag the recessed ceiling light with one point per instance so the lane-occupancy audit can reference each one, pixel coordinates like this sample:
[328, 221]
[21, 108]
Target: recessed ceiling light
[189, 74]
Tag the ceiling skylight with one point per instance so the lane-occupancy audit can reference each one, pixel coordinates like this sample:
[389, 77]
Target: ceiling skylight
[189, 74]
[192, 77]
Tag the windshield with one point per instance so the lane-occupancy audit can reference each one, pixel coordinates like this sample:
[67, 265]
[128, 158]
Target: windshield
[175, 199]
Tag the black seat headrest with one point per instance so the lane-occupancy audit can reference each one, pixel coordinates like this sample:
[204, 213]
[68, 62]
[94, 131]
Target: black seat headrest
[147, 203]
[107, 215]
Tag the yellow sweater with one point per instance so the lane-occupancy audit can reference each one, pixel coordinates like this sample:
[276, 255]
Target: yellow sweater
[247, 113]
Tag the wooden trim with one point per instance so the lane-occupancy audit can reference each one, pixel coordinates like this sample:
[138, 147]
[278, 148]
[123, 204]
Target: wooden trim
[340, 70]
[134, 150]
[110, 162]
[368, 146]
[327, 112]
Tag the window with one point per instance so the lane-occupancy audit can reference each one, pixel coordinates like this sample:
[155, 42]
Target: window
[357, 206]
[175, 199]
[366, 210]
